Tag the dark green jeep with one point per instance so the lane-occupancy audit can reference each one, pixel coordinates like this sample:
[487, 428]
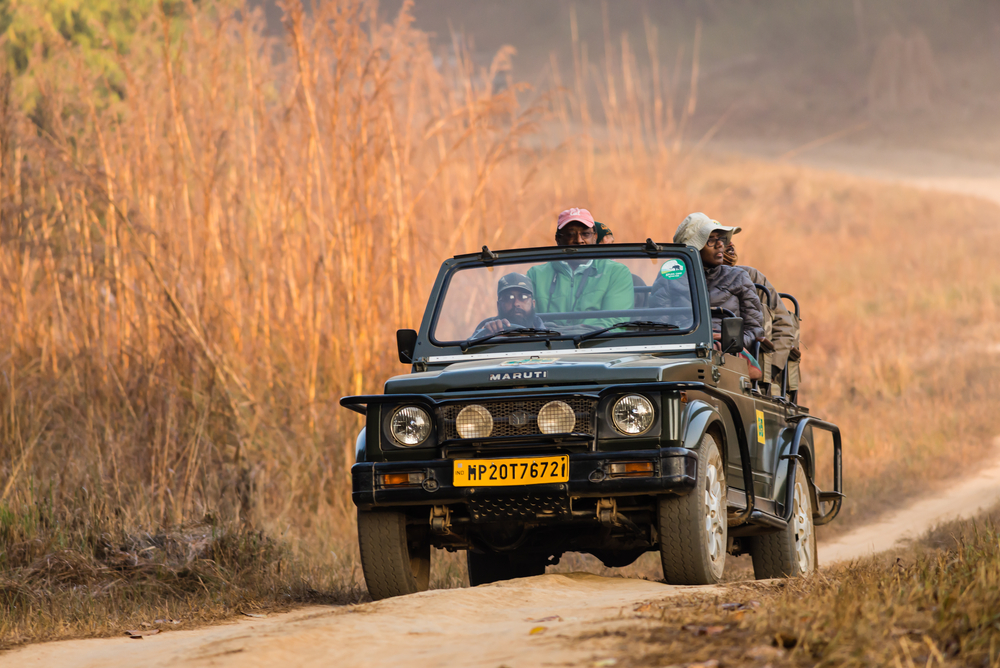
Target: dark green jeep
[614, 430]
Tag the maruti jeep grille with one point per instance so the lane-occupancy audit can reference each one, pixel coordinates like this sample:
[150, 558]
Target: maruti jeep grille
[519, 418]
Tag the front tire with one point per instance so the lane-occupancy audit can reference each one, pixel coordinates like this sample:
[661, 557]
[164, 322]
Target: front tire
[486, 567]
[694, 529]
[792, 551]
[395, 559]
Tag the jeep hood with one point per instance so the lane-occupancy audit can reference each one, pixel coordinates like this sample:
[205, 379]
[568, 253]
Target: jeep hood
[590, 369]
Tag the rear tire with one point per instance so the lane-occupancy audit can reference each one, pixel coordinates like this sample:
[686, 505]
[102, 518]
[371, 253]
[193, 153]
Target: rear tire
[792, 551]
[694, 529]
[496, 566]
[396, 560]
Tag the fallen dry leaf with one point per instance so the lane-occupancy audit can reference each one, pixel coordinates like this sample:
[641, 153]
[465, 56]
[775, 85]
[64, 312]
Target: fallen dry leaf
[537, 630]
[765, 653]
[137, 635]
[749, 605]
[704, 630]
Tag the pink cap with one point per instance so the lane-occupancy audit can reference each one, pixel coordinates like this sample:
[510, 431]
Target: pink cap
[575, 216]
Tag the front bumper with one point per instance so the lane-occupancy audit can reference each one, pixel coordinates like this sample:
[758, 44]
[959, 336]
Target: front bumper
[675, 472]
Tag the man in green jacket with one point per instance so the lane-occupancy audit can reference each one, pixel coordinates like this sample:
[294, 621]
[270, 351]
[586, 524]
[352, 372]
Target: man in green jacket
[581, 285]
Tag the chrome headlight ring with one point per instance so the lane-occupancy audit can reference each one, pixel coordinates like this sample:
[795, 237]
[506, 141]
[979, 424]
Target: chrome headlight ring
[633, 414]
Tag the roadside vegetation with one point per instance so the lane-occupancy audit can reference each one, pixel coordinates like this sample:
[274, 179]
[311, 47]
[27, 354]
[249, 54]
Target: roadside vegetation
[209, 237]
[935, 603]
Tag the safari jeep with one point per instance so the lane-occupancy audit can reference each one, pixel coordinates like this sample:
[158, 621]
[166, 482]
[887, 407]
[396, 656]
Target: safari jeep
[612, 432]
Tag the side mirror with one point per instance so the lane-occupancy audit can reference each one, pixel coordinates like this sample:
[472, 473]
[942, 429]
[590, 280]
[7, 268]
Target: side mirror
[406, 342]
[732, 335]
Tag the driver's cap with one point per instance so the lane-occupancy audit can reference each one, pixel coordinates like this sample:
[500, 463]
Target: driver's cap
[515, 280]
[574, 215]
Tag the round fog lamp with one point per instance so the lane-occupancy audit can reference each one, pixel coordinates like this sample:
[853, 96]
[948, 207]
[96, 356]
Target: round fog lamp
[556, 417]
[474, 422]
[633, 414]
[410, 425]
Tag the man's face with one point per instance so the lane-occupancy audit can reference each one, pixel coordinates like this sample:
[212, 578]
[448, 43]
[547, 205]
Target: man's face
[712, 253]
[517, 305]
[576, 234]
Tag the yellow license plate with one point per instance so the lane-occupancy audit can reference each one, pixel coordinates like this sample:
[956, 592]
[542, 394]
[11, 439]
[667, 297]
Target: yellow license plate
[500, 472]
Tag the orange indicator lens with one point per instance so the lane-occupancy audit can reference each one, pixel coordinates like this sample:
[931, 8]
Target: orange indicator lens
[394, 479]
[632, 469]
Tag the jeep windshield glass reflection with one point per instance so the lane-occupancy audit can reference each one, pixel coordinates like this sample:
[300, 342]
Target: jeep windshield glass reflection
[575, 298]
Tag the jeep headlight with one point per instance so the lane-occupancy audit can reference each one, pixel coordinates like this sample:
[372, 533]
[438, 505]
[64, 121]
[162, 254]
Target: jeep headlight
[410, 425]
[474, 421]
[633, 414]
[556, 417]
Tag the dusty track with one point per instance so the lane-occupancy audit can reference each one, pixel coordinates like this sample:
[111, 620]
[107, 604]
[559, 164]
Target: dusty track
[492, 625]
[489, 625]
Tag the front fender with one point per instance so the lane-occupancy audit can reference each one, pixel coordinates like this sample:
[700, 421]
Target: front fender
[699, 416]
[361, 447]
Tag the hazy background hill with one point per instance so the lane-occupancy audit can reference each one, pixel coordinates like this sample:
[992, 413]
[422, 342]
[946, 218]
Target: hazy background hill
[913, 73]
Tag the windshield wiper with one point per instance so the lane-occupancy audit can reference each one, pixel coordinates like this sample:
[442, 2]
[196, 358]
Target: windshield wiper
[631, 324]
[529, 331]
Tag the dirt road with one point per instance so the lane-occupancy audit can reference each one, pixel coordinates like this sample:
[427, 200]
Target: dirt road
[528, 622]
[915, 168]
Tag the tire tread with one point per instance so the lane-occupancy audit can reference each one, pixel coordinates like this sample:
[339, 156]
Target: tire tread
[773, 554]
[385, 558]
[682, 547]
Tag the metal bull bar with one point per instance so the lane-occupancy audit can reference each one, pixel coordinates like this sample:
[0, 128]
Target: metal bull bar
[836, 497]
[358, 404]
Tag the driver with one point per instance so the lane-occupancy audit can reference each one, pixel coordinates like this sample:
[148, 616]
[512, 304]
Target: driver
[515, 307]
[582, 285]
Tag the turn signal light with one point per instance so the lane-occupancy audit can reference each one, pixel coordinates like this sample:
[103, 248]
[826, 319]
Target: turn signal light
[631, 469]
[397, 479]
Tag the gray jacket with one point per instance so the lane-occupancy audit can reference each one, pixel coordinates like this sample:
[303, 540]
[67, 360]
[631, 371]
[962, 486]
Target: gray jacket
[728, 288]
[780, 325]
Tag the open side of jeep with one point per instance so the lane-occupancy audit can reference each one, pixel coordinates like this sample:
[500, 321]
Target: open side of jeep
[522, 445]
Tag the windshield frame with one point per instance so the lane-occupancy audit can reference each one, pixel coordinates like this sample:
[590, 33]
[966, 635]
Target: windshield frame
[540, 255]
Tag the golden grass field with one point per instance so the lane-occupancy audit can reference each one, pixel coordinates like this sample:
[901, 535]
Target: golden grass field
[194, 271]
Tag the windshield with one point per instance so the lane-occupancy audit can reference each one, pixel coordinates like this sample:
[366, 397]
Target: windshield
[508, 302]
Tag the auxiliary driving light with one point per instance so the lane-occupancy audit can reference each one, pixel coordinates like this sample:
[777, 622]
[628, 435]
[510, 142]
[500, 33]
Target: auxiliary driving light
[633, 414]
[556, 417]
[410, 425]
[474, 421]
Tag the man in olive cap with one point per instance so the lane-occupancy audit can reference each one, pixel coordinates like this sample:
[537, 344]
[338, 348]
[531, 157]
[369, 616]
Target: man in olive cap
[515, 307]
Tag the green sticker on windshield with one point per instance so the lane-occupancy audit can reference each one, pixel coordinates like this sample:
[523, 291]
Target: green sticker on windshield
[672, 270]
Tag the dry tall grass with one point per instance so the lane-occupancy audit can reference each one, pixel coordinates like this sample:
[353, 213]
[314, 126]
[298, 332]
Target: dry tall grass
[935, 605]
[194, 273]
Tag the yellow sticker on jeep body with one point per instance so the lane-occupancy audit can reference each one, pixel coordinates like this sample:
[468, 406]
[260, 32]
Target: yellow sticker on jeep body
[760, 426]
